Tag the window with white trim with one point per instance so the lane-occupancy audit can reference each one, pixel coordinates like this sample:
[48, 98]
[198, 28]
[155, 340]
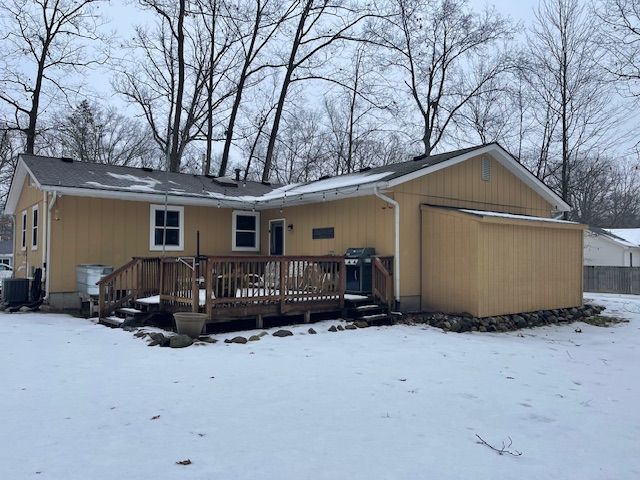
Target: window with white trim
[246, 231]
[23, 243]
[166, 228]
[35, 220]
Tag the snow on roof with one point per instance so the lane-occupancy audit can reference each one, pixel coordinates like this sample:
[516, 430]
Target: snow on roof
[73, 177]
[484, 213]
[631, 235]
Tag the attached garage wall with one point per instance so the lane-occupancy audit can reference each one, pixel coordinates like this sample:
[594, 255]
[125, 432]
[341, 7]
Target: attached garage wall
[495, 266]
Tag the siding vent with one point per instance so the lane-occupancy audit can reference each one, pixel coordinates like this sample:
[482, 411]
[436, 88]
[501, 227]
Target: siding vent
[486, 169]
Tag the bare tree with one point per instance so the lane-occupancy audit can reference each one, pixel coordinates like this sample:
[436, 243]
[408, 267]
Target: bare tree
[564, 71]
[621, 20]
[434, 44]
[255, 24]
[90, 133]
[44, 43]
[168, 81]
[321, 24]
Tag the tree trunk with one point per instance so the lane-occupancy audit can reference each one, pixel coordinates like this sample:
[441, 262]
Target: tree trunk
[283, 92]
[174, 155]
[35, 104]
[238, 98]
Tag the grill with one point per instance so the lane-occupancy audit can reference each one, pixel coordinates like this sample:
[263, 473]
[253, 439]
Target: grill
[358, 264]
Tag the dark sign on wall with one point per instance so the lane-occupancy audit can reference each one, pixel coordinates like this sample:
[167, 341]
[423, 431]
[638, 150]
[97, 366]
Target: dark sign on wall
[321, 233]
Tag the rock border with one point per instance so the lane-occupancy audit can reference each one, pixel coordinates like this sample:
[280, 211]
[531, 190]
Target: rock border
[503, 323]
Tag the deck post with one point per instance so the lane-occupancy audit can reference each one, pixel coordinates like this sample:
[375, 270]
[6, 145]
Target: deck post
[283, 286]
[307, 316]
[161, 283]
[101, 301]
[259, 321]
[195, 288]
[343, 282]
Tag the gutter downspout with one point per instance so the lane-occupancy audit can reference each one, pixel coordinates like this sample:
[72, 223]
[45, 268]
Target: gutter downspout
[48, 246]
[396, 259]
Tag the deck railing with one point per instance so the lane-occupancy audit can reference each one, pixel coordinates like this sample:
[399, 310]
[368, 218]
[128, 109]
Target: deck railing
[382, 280]
[237, 286]
[137, 278]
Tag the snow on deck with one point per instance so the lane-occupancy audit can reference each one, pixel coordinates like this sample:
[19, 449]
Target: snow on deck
[395, 402]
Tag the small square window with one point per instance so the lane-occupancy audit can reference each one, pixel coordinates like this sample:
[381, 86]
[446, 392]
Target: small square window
[167, 228]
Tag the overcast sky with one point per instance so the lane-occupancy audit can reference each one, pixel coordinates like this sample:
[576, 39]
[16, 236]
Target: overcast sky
[123, 15]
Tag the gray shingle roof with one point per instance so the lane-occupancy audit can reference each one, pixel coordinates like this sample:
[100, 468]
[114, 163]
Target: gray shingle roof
[55, 172]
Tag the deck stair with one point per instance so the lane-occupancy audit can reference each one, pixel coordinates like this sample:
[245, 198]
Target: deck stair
[369, 310]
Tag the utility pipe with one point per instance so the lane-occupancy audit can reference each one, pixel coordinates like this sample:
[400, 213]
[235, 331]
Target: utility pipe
[54, 197]
[396, 259]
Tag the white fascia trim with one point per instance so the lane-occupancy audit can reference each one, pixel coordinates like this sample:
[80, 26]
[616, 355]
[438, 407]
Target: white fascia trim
[294, 199]
[505, 159]
[146, 197]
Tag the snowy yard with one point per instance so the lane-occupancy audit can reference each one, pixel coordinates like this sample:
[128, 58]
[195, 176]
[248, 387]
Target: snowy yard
[81, 401]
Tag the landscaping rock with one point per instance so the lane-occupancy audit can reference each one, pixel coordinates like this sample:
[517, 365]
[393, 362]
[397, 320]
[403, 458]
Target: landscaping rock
[312, 331]
[206, 339]
[153, 343]
[282, 333]
[351, 326]
[340, 328]
[361, 323]
[263, 333]
[160, 338]
[140, 334]
[333, 328]
[24, 309]
[180, 341]
[519, 321]
[254, 338]
[237, 339]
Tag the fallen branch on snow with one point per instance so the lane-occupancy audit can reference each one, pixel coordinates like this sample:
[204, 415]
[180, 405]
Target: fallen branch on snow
[500, 451]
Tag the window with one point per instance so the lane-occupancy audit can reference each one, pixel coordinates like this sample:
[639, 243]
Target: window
[167, 228]
[486, 169]
[23, 244]
[246, 231]
[34, 227]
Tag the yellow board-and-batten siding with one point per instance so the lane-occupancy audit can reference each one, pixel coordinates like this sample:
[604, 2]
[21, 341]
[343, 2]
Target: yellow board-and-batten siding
[459, 186]
[494, 266]
[365, 221]
[28, 258]
[111, 232]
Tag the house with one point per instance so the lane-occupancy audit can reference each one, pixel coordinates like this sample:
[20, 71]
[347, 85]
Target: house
[631, 235]
[604, 248]
[6, 252]
[470, 230]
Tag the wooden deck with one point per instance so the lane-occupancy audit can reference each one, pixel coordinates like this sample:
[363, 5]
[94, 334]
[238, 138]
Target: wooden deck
[234, 287]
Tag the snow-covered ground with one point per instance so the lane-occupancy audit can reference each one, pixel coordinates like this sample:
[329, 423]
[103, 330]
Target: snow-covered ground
[81, 401]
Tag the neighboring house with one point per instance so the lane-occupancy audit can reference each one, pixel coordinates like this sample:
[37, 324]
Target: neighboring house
[470, 230]
[603, 248]
[6, 252]
[631, 235]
